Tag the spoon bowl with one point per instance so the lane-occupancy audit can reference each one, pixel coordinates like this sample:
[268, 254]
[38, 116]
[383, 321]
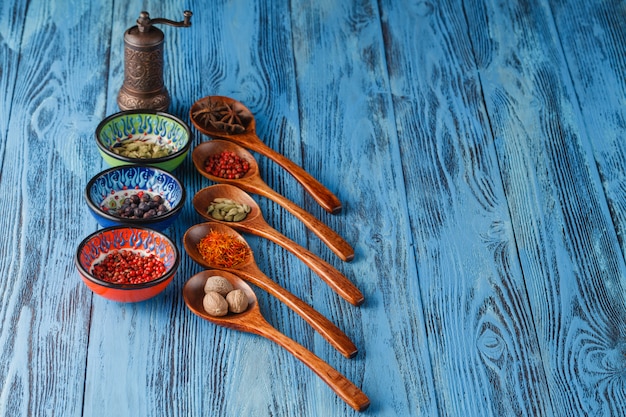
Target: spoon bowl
[225, 118]
[193, 294]
[249, 271]
[254, 223]
[252, 321]
[253, 183]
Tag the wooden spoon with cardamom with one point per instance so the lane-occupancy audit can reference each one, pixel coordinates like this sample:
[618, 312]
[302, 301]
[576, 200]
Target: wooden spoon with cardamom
[254, 223]
[225, 118]
[252, 182]
[248, 270]
[252, 321]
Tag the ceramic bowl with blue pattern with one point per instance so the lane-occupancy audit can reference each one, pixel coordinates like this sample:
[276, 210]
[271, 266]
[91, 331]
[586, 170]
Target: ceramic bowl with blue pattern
[140, 240]
[111, 191]
[164, 139]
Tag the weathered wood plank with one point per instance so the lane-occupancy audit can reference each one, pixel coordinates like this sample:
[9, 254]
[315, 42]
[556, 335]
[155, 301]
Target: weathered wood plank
[593, 38]
[480, 330]
[347, 123]
[51, 78]
[476, 146]
[572, 263]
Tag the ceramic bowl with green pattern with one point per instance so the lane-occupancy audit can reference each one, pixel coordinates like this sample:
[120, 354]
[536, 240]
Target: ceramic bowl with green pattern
[144, 137]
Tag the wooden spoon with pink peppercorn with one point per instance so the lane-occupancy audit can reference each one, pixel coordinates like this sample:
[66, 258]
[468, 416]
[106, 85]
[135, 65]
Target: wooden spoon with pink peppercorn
[225, 118]
[252, 182]
[252, 321]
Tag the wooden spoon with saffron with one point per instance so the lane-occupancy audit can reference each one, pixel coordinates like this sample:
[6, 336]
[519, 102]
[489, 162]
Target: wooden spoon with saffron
[255, 223]
[248, 270]
[253, 183]
[204, 111]
[252, 321]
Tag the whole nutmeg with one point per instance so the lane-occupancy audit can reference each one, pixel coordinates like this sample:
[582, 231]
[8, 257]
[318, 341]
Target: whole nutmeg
[214, 304]
[218, 284]
[237, 301]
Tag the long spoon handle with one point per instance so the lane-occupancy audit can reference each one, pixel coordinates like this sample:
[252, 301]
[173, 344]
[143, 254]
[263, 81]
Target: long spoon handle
[327, 235]
[341, 385]
[335, 279]
[324, 197]
[327, 329]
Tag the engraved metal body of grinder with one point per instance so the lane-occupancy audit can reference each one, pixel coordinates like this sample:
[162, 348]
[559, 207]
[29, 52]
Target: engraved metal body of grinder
[143, 65]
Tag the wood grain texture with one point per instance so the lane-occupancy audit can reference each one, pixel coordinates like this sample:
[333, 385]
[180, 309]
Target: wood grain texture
[476, 146]
[592, 37]
[479, 325]
[46, 153]
[347, 124]
[573, 267]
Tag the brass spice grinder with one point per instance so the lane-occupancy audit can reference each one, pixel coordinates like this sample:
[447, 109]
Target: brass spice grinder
[143, 86]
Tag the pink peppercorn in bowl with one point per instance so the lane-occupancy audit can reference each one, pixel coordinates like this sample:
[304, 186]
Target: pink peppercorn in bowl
[127, 264]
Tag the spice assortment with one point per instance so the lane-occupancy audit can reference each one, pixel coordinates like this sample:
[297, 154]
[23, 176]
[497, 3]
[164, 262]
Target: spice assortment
[226, 119]
[220, 297]
[128, 267]
[217, 249]
[223, 250]
[227, 165]
[228, 210]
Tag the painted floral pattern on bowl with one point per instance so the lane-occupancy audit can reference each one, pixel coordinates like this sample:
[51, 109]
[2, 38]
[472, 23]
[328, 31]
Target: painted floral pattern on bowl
[162, 130]
[153, 128]
[110, 188]
[106, 191]
[141, 240]
[95, 247]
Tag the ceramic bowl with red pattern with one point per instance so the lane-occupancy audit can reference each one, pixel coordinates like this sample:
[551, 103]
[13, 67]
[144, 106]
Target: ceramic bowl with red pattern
[127, 264]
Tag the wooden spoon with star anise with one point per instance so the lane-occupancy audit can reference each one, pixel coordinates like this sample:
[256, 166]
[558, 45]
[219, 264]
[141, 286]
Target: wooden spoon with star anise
[225, 118]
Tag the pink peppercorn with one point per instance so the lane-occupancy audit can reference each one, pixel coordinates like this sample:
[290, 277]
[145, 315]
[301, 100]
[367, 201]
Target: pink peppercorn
[127, 267]
[226, 165]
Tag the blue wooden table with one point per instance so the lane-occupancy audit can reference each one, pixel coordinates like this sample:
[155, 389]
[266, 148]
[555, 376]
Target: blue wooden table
[478, 150]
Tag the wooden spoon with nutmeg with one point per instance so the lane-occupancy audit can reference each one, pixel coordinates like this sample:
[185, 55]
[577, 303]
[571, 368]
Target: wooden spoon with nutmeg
[255, 223]
[252, 182]
[225, 118]
[248, 270]
[252, 321]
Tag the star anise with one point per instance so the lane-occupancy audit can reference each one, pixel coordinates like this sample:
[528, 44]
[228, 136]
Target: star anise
[223, 116]
[228, 119]
[206, 113]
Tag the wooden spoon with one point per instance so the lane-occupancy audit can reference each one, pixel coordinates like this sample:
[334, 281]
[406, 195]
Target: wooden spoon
[252, 182]
[255, 223]
[249, 271]
[252, 321]
[249, 139]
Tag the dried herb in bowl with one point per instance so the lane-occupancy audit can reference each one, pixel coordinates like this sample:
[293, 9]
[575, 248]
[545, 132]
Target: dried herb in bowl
[140, 149]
